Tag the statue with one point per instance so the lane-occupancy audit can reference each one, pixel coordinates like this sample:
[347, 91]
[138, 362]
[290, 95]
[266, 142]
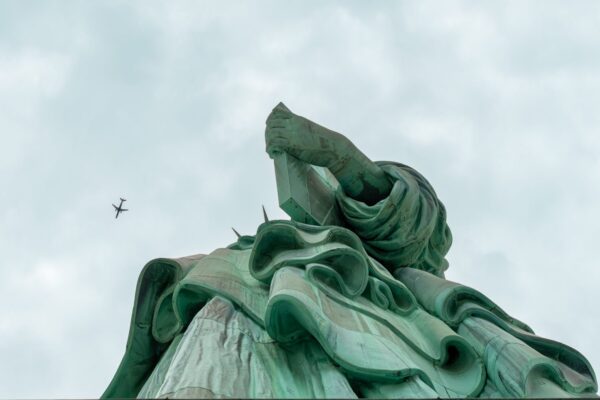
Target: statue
[347, 299]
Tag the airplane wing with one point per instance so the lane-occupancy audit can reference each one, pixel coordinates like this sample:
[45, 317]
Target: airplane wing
[116, 208]
[124, 209]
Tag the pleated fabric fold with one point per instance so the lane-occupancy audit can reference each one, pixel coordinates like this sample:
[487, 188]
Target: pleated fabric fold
[297, 286]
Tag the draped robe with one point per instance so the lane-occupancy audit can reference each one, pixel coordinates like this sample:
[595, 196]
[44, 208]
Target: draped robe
[360, 310]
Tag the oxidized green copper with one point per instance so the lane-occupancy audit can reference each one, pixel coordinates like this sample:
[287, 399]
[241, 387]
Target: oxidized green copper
[347, 299]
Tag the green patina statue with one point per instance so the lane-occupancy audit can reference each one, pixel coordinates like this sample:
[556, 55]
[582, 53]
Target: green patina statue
[347, 299]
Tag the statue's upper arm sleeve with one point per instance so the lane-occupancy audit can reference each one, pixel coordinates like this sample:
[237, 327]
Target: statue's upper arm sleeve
[406, 229]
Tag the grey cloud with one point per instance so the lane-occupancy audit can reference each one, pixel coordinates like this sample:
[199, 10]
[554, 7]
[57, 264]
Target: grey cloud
[165, 103]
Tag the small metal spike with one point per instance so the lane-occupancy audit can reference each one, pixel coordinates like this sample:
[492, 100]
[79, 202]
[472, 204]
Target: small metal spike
[236, 232]
[265, 214]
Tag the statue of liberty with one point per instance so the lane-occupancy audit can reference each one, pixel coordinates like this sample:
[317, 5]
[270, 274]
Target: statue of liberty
[347, 299]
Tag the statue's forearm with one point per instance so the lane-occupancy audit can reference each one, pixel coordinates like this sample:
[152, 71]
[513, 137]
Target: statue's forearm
[360, 178]
[312, 143]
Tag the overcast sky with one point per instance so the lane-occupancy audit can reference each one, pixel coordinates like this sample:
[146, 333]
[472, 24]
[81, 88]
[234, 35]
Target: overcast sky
[164, 103]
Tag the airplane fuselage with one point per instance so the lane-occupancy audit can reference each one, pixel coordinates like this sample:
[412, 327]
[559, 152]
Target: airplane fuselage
[120, 208]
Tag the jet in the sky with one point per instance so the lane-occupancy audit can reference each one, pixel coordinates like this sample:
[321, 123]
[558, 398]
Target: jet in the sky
[120, 209]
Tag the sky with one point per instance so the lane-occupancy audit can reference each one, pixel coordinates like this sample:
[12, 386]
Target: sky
[164, 103]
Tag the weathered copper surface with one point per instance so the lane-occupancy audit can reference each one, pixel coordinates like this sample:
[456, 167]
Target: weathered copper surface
[347, 299]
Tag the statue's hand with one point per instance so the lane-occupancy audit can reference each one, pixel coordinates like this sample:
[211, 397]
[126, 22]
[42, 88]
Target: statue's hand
[281, 127]
[302, 138]
[317, 145]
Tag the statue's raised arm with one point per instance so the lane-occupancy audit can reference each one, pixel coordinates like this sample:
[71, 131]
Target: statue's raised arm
[314, 144]
[390, 206]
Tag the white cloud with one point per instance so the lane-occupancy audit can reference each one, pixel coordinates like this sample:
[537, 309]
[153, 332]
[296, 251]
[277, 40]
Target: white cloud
[165, 104]
[29, 76]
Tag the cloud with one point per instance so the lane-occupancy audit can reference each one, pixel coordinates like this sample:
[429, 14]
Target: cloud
[165, 104]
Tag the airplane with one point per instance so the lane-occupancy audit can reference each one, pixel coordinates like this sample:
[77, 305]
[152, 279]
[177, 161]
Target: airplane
[120, 209]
